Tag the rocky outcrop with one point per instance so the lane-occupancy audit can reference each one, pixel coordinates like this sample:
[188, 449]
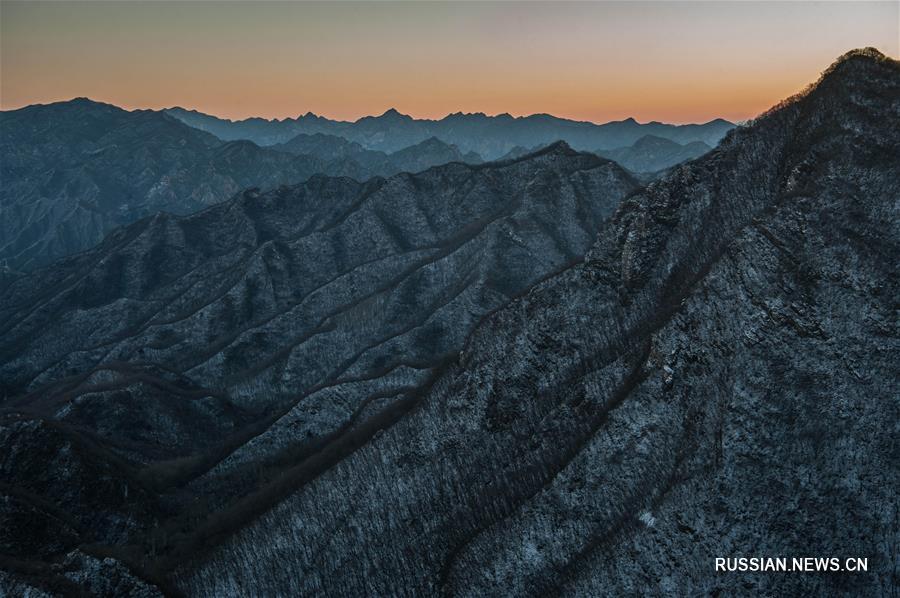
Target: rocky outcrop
[716, 379]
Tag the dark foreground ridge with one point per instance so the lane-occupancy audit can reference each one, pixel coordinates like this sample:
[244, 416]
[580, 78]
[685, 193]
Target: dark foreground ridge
[714, 379]
[209, 365]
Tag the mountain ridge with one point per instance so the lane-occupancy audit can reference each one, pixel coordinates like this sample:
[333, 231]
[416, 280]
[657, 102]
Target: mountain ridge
[74, 170]
[705, 366]
[489, 136]
[685, 392]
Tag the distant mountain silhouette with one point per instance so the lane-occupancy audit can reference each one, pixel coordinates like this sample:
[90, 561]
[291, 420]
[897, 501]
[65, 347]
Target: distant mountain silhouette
[428, 153]
[651, 153]
[489, 136]
[73, 171]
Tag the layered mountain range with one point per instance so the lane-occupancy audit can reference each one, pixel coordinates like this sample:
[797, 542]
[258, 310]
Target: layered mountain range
[73, 171]
[337, 151]
[653, 154]
[491, 137]
[718, 377]
[202, 357]
[528, 377]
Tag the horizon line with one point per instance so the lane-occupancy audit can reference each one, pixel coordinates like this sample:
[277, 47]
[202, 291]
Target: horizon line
[4, 109]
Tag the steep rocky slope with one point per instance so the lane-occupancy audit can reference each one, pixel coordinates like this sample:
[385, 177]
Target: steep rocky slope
[418, 385]
[718, 378]
[194, 360]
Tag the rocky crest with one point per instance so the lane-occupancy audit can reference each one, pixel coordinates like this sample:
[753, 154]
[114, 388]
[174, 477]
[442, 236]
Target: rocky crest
[717, 378]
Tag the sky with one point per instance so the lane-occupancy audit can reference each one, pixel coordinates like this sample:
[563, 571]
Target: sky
[668, 61]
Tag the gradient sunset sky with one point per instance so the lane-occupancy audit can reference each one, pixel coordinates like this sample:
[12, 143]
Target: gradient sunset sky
[600, 61]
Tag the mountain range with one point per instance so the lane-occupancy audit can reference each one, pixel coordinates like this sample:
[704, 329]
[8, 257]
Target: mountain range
[716, 377]
[73, 171]
[489, 136]
[341, 299]
[653, 154]
[534, 376]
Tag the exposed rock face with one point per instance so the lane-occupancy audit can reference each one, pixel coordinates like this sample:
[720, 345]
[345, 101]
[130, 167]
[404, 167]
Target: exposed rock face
[489, 136]
[218, 349]
[718, 378]
[652, 154]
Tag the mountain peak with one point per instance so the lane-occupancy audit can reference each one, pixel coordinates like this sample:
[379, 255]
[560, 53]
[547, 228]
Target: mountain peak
[432, 141]
[654, 141]
[850, 69]
[560, 148]
[854, 63]
[868, 53]
[84, 102]
[394, 113]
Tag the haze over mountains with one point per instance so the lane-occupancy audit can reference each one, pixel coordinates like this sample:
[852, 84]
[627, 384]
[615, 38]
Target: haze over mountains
[652, 154]
[73, 171]
[489, 136]
[533, 376]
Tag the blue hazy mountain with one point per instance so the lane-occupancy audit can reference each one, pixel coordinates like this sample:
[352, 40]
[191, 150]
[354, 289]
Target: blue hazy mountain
[491, 137]
[72, 171]
[651, 153]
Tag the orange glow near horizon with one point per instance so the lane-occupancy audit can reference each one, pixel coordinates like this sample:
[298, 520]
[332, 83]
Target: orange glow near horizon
[599, 61]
